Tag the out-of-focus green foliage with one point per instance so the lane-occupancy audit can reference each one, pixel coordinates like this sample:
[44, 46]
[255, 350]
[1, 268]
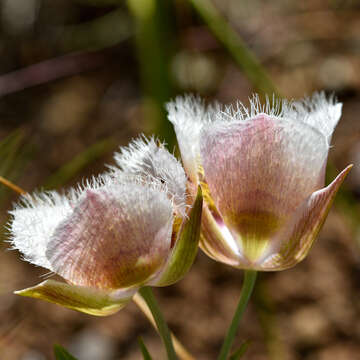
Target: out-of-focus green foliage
[62, 354]
[240, 352]
[266, 313]
[14, 154]
[240, 52]
[99, 3]
[100, 33]
[154, 40]
[78, 163]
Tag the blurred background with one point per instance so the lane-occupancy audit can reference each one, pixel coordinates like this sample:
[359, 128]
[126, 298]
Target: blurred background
[78, 78]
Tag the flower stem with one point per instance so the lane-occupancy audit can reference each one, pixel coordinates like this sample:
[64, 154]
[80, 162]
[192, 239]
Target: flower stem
[180, 350]
[164, 332]
[248, 286]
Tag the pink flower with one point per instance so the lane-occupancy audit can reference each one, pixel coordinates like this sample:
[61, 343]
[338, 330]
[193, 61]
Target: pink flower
[262, 171]
[118, 232]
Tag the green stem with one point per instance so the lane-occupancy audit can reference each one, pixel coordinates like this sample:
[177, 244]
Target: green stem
[242, 55]
[164, 332]
[248, 286]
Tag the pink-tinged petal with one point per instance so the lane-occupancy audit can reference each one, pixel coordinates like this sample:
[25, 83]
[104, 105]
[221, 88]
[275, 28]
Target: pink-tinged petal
[87, 300]
[258, 172]
[294, 242]
[114, 238]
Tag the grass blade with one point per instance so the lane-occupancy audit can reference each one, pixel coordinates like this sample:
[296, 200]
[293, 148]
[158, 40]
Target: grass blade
[145, 353]
[62, 354]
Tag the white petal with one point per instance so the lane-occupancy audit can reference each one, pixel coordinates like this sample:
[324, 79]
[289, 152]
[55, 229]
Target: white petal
[318, 111]
[145, 157]
[36, 216]
[34, 222]
[188, 114]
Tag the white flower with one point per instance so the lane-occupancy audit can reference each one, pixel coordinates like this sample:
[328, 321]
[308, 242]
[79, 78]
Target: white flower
[262, 171]
[112, 235]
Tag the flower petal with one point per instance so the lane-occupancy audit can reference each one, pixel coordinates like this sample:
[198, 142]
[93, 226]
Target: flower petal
[295, 241]
[36, 216]
[116, 237]
[188, 114]
[258, 171]
[34, 221]
[318, 111]
[84, 299]
[185, 249]
[147, 158]
[217, 242]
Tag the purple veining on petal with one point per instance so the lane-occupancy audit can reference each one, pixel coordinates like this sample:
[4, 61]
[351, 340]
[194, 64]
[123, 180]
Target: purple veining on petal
[294, 241]
[260, 170]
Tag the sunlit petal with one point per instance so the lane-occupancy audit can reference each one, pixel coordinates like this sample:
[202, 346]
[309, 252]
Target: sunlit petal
[112, 238]
[34, 221]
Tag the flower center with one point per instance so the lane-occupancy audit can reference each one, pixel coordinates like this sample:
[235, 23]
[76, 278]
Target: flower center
[253, 230]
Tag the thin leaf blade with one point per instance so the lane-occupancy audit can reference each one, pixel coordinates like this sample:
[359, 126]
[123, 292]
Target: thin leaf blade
[145, 353]
[62, 354]
[241, 350]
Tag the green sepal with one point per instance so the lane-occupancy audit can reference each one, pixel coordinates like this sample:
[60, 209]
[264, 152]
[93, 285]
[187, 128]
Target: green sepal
[62, 354]
[186, 246]
[84, 299]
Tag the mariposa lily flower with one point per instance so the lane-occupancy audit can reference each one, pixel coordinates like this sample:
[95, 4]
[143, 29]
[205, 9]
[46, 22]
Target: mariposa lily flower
[118, 232]
[262, 171]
